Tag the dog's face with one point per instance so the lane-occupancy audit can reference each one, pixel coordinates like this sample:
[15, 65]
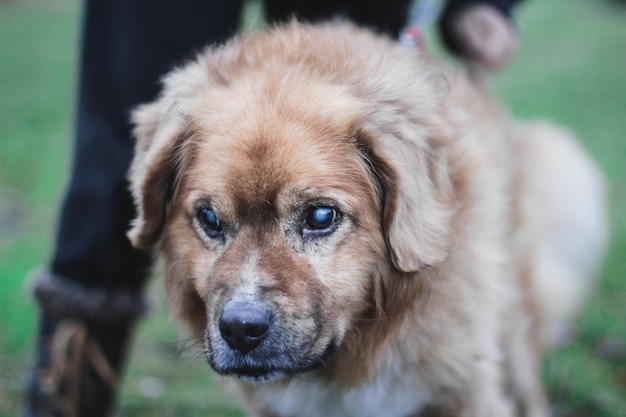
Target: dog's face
[279, 222]
[278, 226]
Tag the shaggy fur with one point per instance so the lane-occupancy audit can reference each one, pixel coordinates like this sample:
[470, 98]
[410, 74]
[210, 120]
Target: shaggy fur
[460, 240]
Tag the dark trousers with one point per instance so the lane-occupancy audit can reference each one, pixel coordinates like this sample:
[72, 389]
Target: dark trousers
[127, 46]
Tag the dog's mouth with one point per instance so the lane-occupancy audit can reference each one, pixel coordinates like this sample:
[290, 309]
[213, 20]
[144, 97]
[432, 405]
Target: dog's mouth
[267, 363]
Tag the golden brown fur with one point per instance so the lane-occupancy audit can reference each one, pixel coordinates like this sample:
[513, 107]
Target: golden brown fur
[421, 293]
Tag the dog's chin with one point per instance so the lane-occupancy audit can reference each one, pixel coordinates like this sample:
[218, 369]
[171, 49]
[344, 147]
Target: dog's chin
[265, 364]
[258, 374]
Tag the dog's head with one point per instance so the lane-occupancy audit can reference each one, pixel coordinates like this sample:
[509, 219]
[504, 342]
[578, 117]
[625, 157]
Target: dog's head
[292, 205]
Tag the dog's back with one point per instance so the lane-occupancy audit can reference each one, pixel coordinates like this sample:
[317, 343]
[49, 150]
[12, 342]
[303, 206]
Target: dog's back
[563, 229]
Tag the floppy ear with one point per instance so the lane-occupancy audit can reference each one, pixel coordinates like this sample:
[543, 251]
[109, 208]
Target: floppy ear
[417, 193]
[161, 130]
[159, 135]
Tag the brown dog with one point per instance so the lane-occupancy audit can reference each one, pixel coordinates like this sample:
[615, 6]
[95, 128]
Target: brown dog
[362, 229]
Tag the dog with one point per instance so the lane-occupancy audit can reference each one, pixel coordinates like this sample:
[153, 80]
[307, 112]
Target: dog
[351, 228]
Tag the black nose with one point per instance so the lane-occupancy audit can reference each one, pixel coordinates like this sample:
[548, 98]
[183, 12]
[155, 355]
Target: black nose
[243, 325]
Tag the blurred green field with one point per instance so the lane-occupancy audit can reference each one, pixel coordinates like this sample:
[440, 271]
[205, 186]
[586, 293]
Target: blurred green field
[571, 69]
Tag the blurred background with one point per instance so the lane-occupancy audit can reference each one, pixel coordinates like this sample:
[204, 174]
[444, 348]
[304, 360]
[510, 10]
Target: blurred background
[571, 69]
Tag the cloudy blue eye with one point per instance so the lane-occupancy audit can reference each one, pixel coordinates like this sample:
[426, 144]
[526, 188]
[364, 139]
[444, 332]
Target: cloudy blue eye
[209, 221]
[320, 220]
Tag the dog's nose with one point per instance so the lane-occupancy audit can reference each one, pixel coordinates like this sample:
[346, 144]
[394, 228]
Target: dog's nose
[243, 325]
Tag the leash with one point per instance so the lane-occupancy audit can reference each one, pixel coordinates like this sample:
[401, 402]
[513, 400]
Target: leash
[422, 14]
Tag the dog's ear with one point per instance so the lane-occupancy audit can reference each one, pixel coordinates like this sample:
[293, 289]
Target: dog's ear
[159, 134]
[412, 174]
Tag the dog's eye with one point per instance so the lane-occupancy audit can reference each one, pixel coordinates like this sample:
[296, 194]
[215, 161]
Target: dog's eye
[320, 220]
[209, 221]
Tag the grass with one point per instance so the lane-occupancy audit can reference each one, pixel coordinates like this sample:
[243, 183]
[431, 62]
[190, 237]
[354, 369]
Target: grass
[571, 69]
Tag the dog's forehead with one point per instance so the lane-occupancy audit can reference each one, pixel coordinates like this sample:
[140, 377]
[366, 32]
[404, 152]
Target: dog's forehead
[260, 167]
[264, 155]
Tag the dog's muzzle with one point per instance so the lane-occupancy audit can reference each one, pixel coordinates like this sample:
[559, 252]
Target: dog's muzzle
[249, 341]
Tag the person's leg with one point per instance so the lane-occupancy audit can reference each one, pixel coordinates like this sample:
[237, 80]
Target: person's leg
[387, 17]
[92, 294]
[306, 10]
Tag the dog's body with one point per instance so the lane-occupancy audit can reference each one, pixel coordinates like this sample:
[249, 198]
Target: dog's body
[362, 229]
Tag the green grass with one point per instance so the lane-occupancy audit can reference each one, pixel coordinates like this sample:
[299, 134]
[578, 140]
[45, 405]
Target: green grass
[37, 48]
[571, 69]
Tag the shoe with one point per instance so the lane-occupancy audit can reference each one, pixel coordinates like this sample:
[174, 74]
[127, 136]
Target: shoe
[80, 351]
[77, 368]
